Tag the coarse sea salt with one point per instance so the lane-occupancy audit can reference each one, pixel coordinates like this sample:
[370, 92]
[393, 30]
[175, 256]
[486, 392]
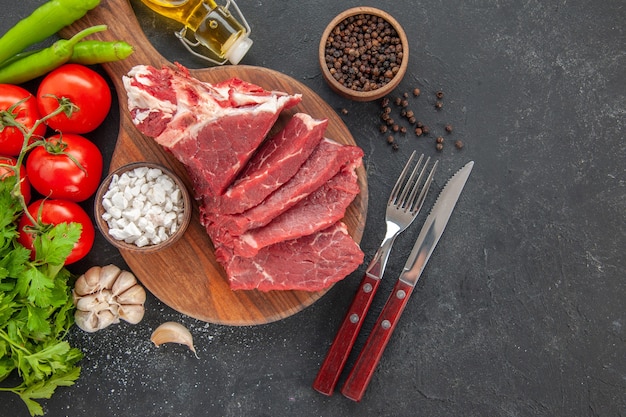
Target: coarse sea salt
[143, 206]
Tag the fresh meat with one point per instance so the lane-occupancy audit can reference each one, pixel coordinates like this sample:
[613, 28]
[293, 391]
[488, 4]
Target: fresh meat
[317, 211]
[211, 128]
[276, 161]
[310, 263]
[328, 158]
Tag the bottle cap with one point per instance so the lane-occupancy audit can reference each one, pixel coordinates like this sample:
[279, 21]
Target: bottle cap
[239, 49]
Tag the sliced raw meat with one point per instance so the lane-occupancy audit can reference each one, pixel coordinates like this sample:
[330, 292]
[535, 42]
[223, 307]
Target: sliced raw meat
[276, 161]
[310, 263]
[328, 158]
[213, 129]
[316, 212]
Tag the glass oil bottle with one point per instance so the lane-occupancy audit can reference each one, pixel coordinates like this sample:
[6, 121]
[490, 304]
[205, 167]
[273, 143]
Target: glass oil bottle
[216, 30]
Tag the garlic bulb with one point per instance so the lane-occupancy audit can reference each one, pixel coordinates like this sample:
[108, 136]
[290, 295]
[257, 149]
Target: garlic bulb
[104, 295]
[172, 332]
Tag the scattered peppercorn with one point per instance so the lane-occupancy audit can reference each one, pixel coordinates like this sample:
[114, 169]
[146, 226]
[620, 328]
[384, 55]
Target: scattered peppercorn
[383, 128]
[344, 111]
[409, 113]
[426, 130]
[439, 139]
[363, 52]
[403, 113]
[385, 102]
[448, 128]
[390, 139]
[402, 129]
[394, 146]
[416, 92]
[390, 122]
[404, 103]
[395, 128]
[438, 105]
[412, 120]
[418, 131]
[398, 101]
[439, 94]
[439, 147]
[405, 95]
[387, 110]
[458, 144]
[420, 124]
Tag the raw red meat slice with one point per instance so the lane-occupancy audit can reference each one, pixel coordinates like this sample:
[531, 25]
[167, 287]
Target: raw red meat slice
[211, 128]
[328, 158]
[317, 211]
[274, 163]
[309, 263]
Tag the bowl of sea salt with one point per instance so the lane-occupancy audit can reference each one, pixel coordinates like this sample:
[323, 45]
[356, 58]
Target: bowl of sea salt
[142, 207]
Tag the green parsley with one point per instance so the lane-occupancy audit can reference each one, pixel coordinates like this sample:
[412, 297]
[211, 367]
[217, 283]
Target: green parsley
[36, 307]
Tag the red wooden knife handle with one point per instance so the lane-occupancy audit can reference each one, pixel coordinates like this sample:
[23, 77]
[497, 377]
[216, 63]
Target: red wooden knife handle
[344, 340]
[368, 359]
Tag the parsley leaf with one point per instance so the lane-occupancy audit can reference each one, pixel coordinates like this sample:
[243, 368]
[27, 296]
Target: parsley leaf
[36, 307]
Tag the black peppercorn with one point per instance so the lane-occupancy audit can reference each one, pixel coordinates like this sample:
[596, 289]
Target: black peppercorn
[439, 94]
[439, 139]
[439, 147]
[418, 131]
[448, 128]
[383, 129]
[438, 105]
[416, 92]
[458, 144]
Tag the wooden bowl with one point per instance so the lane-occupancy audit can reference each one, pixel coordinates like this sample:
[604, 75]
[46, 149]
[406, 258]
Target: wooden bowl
[99, 209]
[382, 88]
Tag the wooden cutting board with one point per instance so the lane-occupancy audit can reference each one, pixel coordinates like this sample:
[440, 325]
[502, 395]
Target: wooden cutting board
[186, 275]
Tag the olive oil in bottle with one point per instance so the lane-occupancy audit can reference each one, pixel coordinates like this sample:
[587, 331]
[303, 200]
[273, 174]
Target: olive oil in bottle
[214, 27]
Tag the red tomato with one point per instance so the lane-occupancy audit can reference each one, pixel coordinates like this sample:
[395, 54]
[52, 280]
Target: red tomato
[27, 113]
[8, 172]
[54, 171]
[55, 212]
[85, 88]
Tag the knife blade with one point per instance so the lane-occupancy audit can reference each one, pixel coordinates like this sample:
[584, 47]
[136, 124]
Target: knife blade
[429, 236]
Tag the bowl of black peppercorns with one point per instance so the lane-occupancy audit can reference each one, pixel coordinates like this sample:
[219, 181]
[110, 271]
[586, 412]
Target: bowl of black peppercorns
[363, 54]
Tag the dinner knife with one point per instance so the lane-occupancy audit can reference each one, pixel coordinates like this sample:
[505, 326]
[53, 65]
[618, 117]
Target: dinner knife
[433, 228]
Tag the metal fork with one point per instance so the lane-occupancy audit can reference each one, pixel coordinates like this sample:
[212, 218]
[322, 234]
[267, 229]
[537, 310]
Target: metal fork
[405, 202]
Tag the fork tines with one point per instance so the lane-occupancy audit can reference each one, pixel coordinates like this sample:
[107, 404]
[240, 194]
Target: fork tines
[405, 191]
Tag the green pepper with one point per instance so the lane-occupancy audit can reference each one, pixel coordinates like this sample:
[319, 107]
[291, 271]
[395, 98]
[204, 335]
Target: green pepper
[45, 21]
[43, 61]
[87, 53]
[98, 52]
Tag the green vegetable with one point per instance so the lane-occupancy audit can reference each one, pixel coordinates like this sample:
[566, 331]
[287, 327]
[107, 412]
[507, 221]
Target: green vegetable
[45, 60]
[36, 306]
[98, 52]
[88, 53]
[45, 21]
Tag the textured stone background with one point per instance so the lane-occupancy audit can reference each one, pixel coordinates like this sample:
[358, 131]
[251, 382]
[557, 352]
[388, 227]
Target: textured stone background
[521, 310]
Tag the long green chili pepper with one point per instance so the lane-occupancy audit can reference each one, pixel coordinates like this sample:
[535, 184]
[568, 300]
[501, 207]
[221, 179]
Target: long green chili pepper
[87, 53]
[98, 52]
[44, 61]
[45, 21]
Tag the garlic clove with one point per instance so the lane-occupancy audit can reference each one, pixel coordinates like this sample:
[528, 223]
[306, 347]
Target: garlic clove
[134, 295]
[108, 275]
[91, 321]
[88, 282]
[172, 332]
[124, 281]
[95, 302]
[132, 313]
[86, 320]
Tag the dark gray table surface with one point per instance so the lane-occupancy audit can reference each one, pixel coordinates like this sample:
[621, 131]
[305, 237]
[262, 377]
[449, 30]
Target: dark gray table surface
[521, 310]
